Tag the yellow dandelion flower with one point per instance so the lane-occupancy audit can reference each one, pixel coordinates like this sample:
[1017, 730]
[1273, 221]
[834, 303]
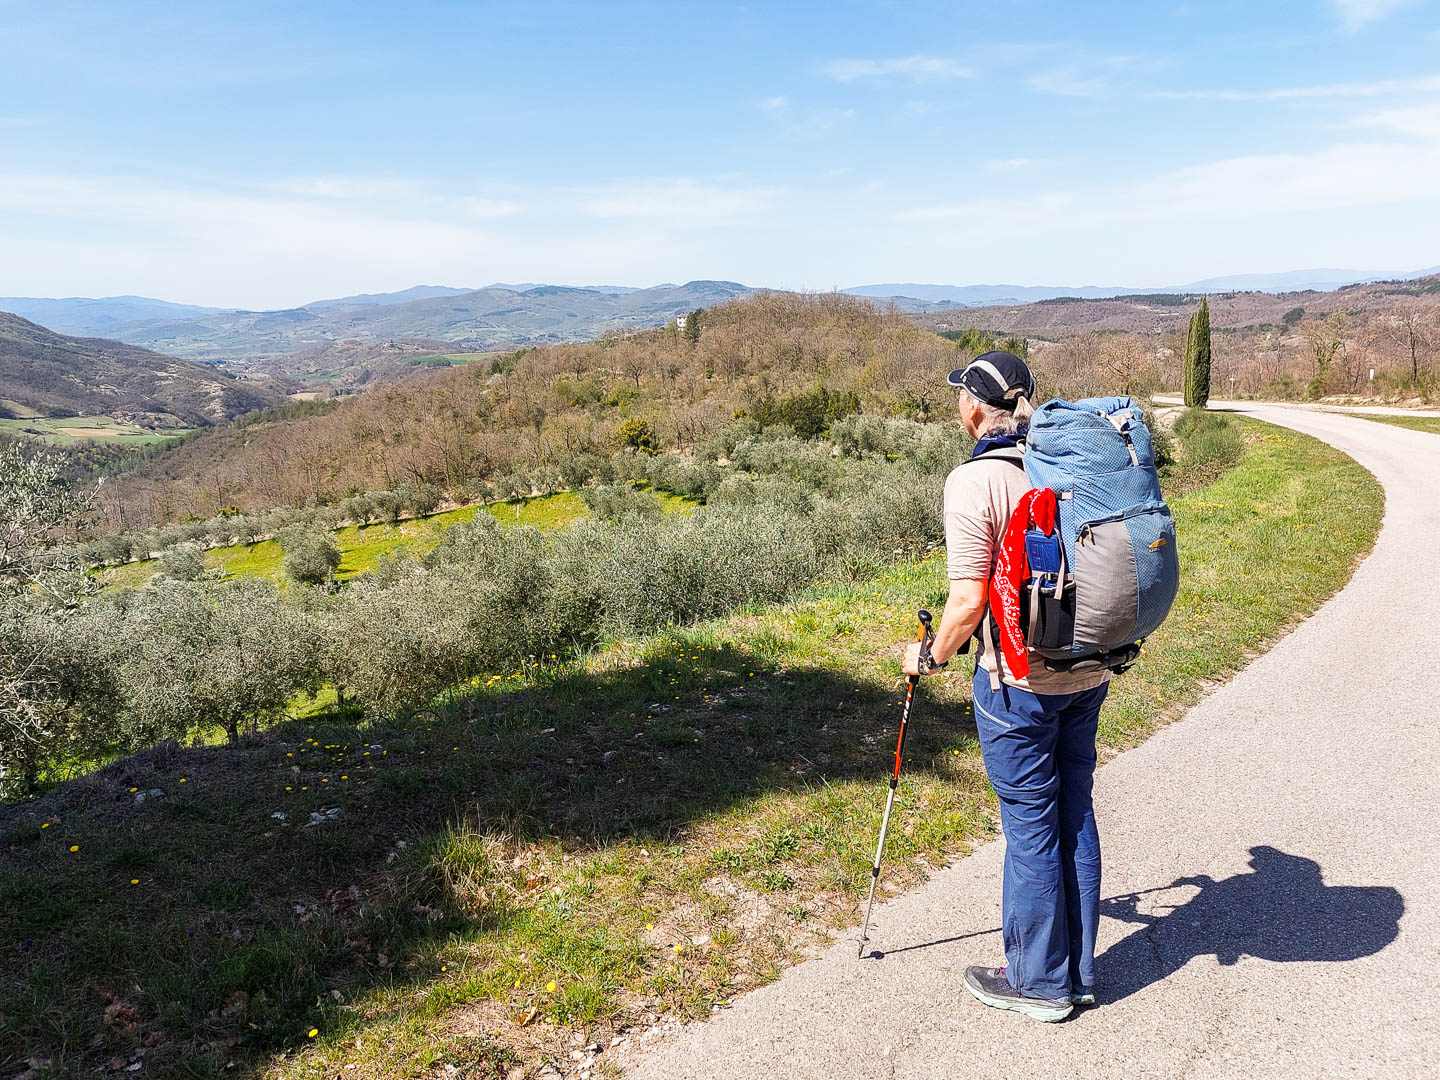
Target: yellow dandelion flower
[74, 847]
[134, 789]
[287, 789]
[550, 987]
[312, 1033]
[344, 778]
[517, 984]
[182, 779]
[649, 926]
[679, 948]
[134, 881]
[46, 824]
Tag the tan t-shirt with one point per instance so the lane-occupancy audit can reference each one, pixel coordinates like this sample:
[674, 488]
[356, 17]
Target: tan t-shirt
[980, 496]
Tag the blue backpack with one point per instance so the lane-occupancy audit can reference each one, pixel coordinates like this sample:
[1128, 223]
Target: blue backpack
[1105, 580]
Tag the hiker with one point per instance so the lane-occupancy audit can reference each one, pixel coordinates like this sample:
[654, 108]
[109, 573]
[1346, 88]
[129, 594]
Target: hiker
[1037, 733]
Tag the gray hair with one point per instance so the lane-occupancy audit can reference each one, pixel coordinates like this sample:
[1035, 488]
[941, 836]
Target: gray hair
[1002, 421]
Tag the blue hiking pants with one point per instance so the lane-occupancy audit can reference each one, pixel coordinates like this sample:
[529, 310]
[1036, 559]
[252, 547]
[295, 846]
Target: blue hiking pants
[1039, 750]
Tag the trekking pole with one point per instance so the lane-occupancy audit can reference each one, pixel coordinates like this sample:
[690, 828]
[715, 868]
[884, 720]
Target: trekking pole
[924, 636]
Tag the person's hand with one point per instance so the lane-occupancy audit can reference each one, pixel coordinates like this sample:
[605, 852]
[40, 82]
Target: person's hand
[912, 659]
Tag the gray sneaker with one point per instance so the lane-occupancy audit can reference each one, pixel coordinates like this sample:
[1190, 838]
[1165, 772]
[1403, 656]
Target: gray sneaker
[990, 986]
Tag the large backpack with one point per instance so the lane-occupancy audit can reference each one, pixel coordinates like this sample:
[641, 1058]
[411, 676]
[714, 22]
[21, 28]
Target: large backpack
[1107, 576]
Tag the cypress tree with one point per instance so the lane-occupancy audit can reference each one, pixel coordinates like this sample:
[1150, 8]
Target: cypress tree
[1197, 357]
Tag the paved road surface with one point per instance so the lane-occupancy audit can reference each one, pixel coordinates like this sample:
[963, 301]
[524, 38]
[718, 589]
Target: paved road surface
[1376, 410]
[1296, 808]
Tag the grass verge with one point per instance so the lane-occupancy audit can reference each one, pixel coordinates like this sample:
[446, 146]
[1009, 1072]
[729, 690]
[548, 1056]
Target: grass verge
[1414, 423]
[559, 855]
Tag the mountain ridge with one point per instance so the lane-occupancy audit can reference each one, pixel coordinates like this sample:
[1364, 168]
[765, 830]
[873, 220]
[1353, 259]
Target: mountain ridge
[56, 374]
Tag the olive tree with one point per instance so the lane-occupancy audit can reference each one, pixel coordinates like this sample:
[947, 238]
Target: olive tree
[183, 562]
[193, 656]
[311, 556]
[45, 677]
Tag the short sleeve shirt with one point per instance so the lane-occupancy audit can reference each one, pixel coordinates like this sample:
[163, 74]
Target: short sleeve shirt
[980, 496]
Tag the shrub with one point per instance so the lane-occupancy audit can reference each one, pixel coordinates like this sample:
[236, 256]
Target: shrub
[636, 433]
[311, 557]
[183, 562]
[612, 502]
[357, 508]
[425, 498]
[57, 694]
[513, 486]
[1211, 442]
[388, 505]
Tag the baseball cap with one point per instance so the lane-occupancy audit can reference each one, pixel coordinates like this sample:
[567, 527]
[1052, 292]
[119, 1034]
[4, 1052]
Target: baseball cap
[997, 378]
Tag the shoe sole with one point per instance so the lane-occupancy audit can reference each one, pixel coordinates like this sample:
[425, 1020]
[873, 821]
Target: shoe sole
[1082, 999]
[1036, 1010]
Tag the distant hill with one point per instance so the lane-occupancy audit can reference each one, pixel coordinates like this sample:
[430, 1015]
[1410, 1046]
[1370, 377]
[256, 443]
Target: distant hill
[990, 295]
[1167, 312]
[54, 375]
[466, 322]
[84, 315]
[404, 296]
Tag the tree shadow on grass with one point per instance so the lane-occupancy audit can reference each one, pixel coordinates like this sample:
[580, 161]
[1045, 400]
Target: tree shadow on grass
[245, 929]
[1282, 912]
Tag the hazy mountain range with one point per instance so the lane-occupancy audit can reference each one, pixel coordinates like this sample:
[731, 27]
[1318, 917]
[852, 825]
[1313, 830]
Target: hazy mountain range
[494, 317]
[338, 340]
[986, 295]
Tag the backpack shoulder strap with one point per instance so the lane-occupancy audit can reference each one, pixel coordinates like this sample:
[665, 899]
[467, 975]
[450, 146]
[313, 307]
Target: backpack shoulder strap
[1013, 454]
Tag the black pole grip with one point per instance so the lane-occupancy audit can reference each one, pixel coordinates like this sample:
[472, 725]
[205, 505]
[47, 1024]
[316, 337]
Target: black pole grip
[927, 635]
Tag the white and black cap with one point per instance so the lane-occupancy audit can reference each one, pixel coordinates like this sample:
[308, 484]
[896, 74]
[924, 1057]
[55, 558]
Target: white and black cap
[997, 378]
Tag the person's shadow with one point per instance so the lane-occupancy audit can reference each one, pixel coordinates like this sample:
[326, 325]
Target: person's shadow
[1282, 912]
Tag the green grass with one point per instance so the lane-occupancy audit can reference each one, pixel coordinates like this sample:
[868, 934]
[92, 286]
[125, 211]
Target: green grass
[362, 546]
[716, 788]
[1414, 423]
[73, 429]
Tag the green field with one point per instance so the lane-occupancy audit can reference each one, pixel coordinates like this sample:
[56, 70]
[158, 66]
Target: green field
[555, 855]
[73, 429]
[362, 546]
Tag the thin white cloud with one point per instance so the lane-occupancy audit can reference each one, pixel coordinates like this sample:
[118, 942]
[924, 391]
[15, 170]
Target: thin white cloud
[1379, 88]
[101, 234]
[916, 68]
[1009, 164]
[1066, 83]
[1420, 121]
[1356, 13]
[1342, 177]
[775, 104]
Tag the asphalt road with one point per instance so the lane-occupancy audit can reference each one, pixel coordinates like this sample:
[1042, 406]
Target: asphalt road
[1284, 840]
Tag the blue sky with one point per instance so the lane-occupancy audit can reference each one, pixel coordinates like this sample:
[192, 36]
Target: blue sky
[266, 155]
